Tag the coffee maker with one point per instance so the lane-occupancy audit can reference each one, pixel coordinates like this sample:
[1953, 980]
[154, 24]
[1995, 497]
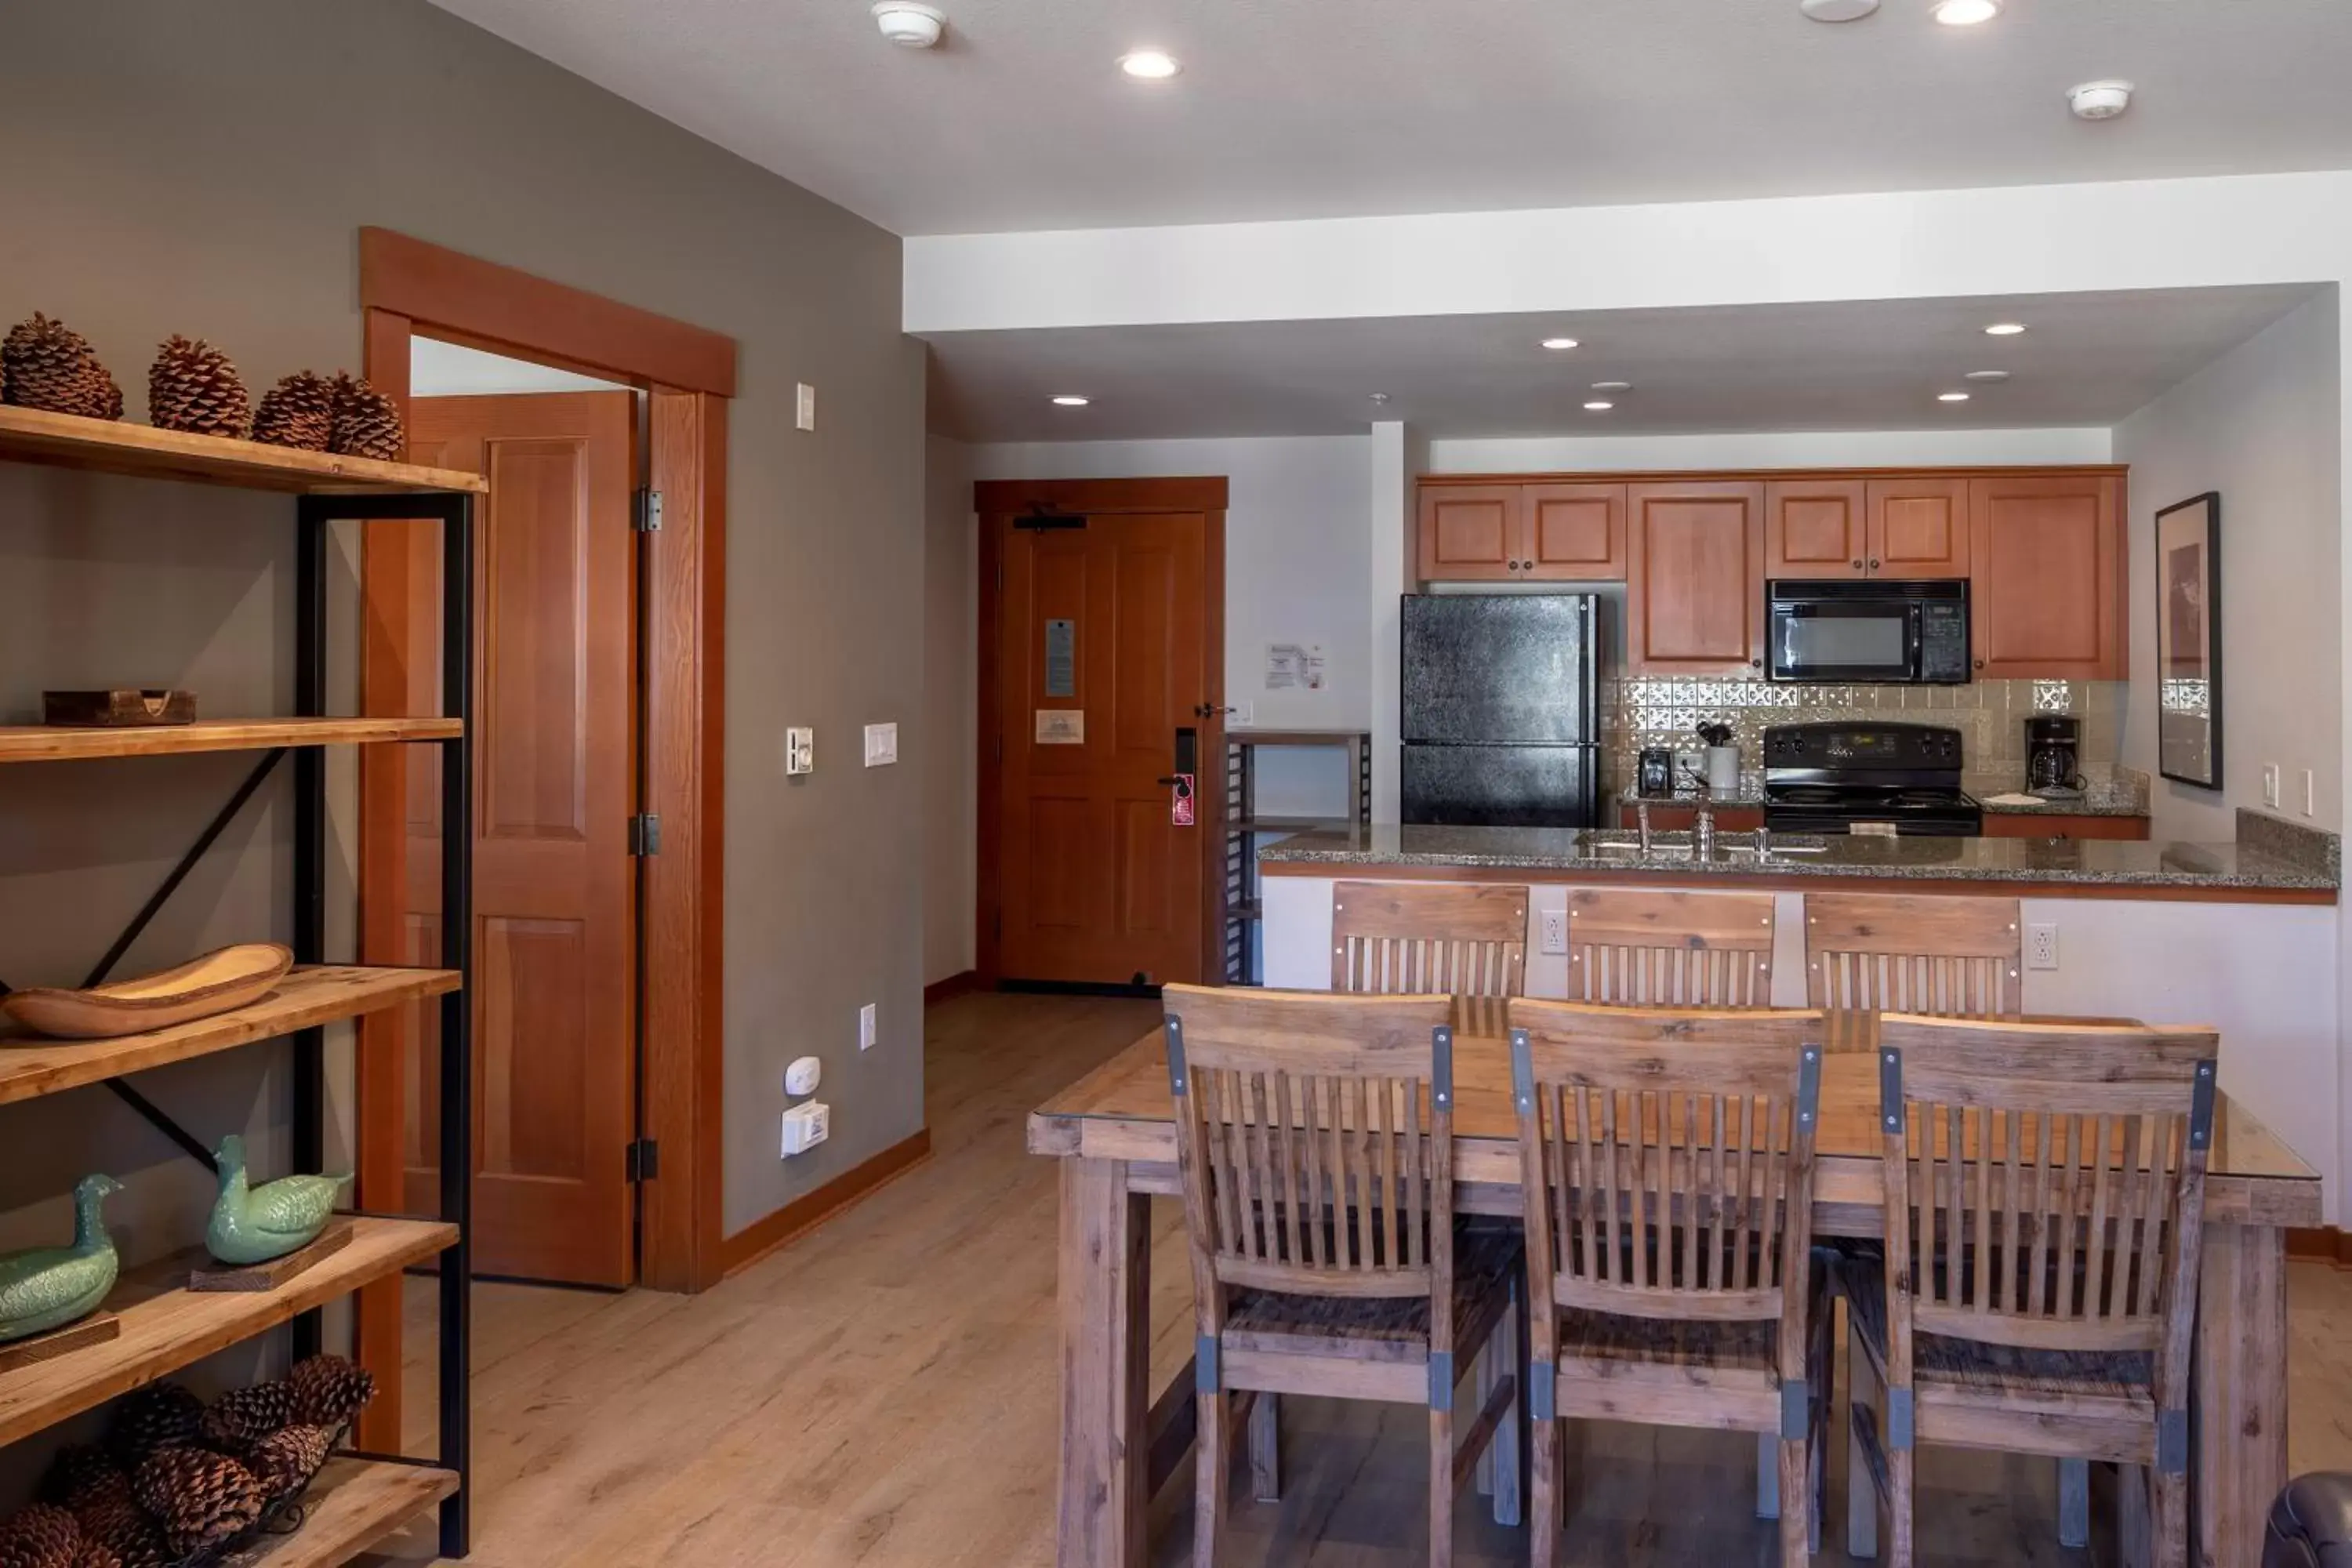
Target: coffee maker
[2054, 746]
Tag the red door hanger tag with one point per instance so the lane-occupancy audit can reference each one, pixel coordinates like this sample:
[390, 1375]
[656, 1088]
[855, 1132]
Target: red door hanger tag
[1180, 802]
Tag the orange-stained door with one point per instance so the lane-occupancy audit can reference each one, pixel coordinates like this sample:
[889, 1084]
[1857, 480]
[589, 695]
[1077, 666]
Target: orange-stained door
[1103, 661]
[554, 884]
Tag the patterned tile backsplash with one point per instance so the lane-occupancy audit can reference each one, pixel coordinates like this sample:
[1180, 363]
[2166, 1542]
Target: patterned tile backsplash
[1643, 711]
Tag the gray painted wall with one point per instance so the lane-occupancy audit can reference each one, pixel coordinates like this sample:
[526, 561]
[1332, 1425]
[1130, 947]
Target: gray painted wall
[204, 169]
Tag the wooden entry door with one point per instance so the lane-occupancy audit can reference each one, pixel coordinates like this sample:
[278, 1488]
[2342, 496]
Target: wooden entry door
[555, 770]
[1106, 656]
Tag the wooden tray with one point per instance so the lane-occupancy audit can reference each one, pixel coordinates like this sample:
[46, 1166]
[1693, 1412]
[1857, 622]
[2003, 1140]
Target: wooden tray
[214, 984]
[118, 708]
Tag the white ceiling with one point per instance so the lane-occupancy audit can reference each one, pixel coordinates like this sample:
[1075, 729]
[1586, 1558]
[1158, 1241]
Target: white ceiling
[437, 368]
[2088, 360]
[1322, 108]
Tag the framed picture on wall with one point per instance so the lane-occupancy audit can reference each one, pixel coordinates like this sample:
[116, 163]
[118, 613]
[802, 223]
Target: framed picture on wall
[2189, 641]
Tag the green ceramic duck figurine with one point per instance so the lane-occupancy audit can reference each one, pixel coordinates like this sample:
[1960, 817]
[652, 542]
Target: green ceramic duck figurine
[253, 1225]
[44, 1288]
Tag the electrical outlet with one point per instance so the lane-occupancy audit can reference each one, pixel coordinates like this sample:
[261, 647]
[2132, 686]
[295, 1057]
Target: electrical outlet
[881, 744]
[804, 414]
[1555, 930]
[2041, 945]
[800, 751]
[2271, 785]
[2310, 794]
[866, 1027]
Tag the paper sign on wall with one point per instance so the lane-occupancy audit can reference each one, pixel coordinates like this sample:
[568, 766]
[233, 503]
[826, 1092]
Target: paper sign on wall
[1061, 726]
[1293, 667]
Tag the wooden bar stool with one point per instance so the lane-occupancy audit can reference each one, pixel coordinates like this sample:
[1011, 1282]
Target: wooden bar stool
[1641, 949]
[1416, 938]
[2038, 1289]
[1945, 958]
[1314, 1141]
[1667, 1175]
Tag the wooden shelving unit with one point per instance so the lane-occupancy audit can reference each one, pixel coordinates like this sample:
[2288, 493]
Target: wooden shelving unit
[32, 1066]
[50, 744]
[359, 1501]
[1243, 897]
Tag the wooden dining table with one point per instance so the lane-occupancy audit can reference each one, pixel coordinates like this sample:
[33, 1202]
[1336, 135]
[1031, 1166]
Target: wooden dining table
[1114, 1131]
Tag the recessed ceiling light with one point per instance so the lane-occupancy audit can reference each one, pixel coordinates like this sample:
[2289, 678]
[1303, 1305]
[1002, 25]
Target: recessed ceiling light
[1557, 344]
[1600, 405]
[1071, 400]
[1612, 386]
[1951, 397]
[1837, 10]
[1966, 13]
[1152, 65]
[2004, 328]
[1987, 375]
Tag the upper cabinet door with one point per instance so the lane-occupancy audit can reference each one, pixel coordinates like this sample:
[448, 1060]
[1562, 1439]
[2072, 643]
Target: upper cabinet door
[2046, 554]
[1919, 528]
[1470, 532]
[1815, 528]
[1575, 533]
[1696, 600]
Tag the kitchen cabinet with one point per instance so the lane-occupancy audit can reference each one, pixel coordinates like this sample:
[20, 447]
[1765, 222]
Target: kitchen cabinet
[1522, 533]
[1919, 528]
[1695, 601]
[2045, 567]
[1816, 529]
[2050, 825]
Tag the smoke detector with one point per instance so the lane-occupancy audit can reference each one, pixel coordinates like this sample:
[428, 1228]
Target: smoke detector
[2099, 100]
[1837, 10]
[909, 25]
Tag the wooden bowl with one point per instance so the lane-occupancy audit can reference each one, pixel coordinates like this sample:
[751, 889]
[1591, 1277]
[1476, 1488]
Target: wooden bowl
[198, 989]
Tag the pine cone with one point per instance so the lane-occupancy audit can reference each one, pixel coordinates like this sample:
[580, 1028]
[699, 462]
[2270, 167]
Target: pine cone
[81, 1473]
[300, 411]
[192, 387]
[285, 1461]
[367, 423]
[40, 1536]
[124, 1529]
[244, 1416]
[160, 1415]
[202, 1498]
[46, 365]
[95, 1553]
[329, 1391]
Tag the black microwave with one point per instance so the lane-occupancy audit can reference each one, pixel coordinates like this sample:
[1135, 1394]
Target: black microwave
[1884, 633]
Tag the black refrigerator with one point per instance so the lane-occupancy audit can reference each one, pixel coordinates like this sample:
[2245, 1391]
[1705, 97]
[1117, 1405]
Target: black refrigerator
[1501, 709]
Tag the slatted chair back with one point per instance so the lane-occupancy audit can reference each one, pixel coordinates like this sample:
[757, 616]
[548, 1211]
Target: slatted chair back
[1951, 958]
[1420, 938]
[2045, 1186]
[1314, 1141]
[1667, 1162]
[1642, 948]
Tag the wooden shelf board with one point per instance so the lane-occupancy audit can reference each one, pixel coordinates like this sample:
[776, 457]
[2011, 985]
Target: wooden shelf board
[112, 447]
[166, 1326]
[355, 1504]
[1297, 737]
[54, 744]
[32, 1065]
[1291, 825]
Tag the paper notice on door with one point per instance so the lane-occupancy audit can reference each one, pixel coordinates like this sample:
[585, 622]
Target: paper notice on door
[1061, 726]
[1061, 658]
[1293, 667]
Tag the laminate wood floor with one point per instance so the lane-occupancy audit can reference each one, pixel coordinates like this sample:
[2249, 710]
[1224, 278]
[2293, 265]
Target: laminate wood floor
[883, 1393]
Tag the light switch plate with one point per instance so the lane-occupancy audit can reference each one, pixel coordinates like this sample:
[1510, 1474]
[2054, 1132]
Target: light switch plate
[881, 744]
[804, 412]
[800, 751]
[865, 1031]
[1555, 930]
[2310, 794]
[2271, 785]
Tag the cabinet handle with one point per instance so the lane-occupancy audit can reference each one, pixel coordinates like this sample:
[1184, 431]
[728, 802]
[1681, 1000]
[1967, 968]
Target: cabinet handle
[1857, 565]
[1873, 565]
[1979, 664]
[1755, 664]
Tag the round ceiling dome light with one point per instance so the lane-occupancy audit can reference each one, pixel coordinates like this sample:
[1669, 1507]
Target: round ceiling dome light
[1966, 13]
[1985, 375]
[2004, 328]
[1071, 400]
[1556, 344]
[1150, 65]
[910, 26]
[2099, 100]
[1837, 10]
[1951, 397]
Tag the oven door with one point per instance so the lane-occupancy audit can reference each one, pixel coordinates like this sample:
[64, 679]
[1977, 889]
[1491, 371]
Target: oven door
[1872, 640]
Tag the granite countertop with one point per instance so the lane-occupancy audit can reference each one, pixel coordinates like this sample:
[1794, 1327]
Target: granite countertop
[2117, 863]
[2085, 806]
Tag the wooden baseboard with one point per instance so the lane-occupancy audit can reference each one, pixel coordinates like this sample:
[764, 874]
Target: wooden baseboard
[954, 985]
[2322, 1243]
[811, 1209]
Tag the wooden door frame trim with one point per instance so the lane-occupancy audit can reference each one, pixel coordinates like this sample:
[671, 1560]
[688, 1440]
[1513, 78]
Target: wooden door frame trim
[1101, 497]
[407, 286]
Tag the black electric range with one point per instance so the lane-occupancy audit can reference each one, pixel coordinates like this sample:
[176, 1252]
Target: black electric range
[1866, 778]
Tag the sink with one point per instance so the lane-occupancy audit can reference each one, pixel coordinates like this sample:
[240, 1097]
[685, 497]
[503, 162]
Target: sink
[1684, 846]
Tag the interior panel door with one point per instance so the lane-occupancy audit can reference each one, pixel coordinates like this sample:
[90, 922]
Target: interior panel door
[1102, 660]
[554, 884]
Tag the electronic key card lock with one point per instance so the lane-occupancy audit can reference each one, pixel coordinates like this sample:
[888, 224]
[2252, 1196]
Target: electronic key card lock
[1182, 784]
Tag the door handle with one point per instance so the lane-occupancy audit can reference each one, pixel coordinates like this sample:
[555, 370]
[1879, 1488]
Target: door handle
[1207, 710]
